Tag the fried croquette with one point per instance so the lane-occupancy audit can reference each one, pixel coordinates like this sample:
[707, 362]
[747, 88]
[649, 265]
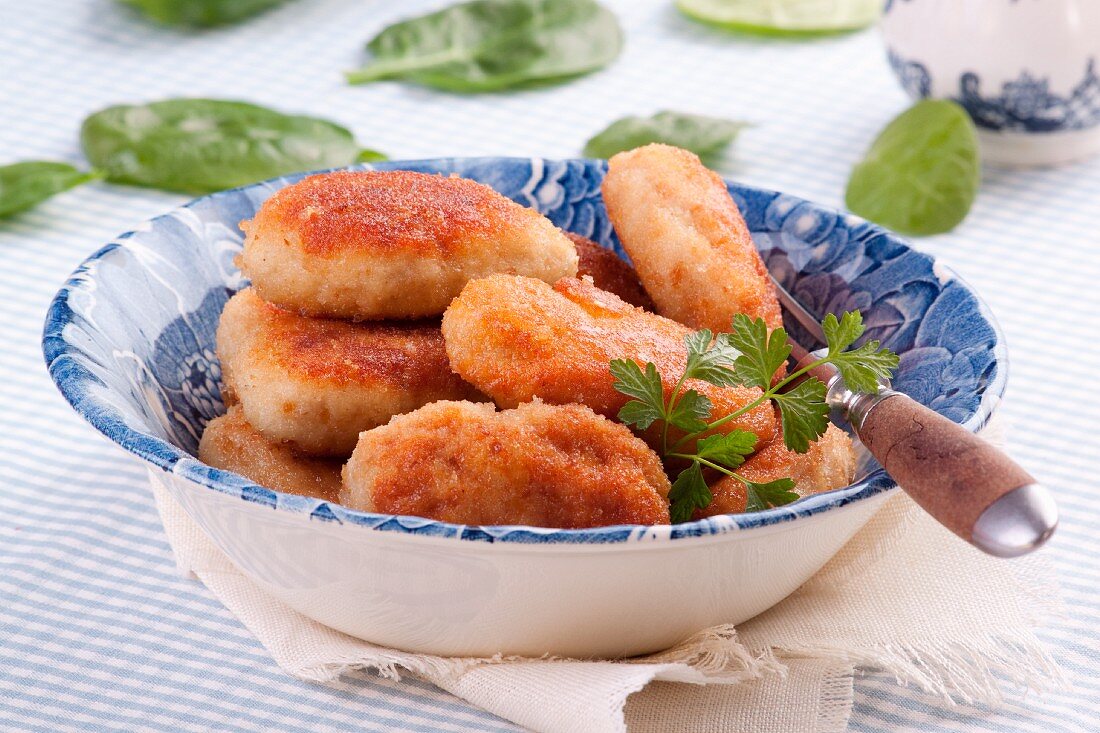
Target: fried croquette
[317, 383]
[229, 442]
[687, 239]
[540, 465]
[830, 463]
[516, 339]
[609, 271]
[370, 245]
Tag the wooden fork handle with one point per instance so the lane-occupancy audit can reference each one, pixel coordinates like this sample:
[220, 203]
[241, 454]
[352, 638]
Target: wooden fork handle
[967, 484]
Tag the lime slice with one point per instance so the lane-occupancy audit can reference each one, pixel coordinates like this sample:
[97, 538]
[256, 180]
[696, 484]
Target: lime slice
[784, 17]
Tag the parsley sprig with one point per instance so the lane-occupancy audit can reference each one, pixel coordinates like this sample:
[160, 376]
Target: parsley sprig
[749, 356]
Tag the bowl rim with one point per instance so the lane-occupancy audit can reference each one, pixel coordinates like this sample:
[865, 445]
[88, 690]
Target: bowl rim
[67, 373]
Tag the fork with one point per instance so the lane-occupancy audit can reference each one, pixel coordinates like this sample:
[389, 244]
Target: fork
[968, 485]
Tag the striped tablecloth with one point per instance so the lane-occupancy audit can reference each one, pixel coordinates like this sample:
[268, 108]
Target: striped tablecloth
[98, 631]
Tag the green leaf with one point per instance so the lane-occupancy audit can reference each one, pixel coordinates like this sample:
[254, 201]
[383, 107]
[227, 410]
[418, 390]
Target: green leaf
[863, 368]
[689, 492]
[921, 174]
[25, 185]
[643, 385]
[760, 355]
[704, 136]
[690, 412]
[727, 450]
[490, 45]
[783, 17]
[639, 414]
[710, 363]
[841, 334]
[204, 145]
[773, 493]
[366, 155]
[698, 344]
[805, 416]
[201, 13]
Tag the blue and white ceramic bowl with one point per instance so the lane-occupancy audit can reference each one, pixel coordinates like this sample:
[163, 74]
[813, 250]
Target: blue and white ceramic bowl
[1027, 71]
[129, 341]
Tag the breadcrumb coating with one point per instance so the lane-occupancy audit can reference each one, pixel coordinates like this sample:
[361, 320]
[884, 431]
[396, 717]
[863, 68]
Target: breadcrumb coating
[609, 272]
[517, 339]
[318, 383]
[687, 239]
[371, 245]
[539, 465]
[230, 443]
[829, 464]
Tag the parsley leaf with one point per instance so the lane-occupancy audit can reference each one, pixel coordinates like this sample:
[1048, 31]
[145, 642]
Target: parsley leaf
[690, 412]
[761, 355]
[639, 414]
[689, 492]
[632, 381]
[773, 493]
[645, 386]
[710, 363]
[862, 368]
[804, 414]
[748, 356]
[843, 333]
[698, 344]
[728, 450]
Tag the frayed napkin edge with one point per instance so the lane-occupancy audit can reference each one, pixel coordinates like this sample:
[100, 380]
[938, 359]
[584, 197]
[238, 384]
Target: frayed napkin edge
[710, 656]
[970, 671]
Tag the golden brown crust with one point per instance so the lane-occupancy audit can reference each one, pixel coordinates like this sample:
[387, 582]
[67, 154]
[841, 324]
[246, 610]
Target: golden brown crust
[370, 245]
[388, 210]
[405, 355]
[609, 272]
[318, 383]
[687, 239]
[230, 443]
[517, 339]
[829, 464]
[538, 465]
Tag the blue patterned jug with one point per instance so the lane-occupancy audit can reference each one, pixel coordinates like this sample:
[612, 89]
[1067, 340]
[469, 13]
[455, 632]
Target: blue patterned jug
[1027, 71]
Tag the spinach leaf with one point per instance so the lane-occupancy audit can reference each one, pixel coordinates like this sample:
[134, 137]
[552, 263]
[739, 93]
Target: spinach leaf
[366, 155]
[783, 17]
[921, 174]
[703, 136]
[201, 13]
[204, 145]
[25, 185]
[489, 45]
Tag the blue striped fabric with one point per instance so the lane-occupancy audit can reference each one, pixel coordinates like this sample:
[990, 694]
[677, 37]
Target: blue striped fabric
[97, 629]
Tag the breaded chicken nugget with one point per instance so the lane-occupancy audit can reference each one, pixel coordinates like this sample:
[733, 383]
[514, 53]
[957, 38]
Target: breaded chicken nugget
[370, 245]
[317, 383]
[229, 442]
[829, 464]
[516, 339]
[539, 465]
[687, 239]
[609, 271]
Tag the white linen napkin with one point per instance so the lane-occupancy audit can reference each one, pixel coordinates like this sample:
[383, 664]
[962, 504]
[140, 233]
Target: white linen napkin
[904, 595]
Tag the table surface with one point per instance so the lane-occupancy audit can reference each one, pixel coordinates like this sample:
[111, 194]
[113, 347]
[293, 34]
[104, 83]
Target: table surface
[97, 629]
